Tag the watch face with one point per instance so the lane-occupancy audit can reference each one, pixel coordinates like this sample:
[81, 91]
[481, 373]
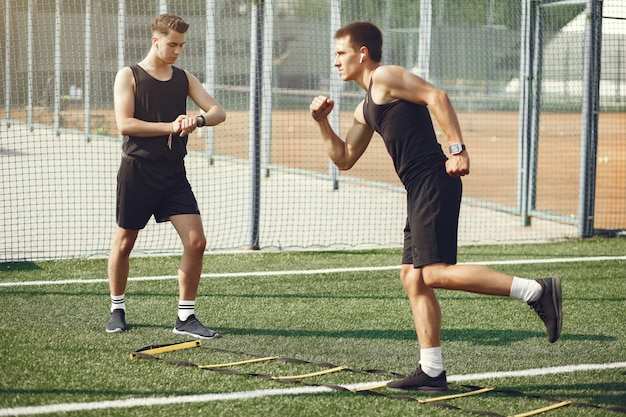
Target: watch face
[456, 148]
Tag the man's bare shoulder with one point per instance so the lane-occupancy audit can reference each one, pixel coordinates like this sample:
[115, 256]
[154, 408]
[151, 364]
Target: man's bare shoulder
[192, 78]
[386, 79]
[124, 71]
[124, 81]
[387, 73]
[392, 82]
[124, 74]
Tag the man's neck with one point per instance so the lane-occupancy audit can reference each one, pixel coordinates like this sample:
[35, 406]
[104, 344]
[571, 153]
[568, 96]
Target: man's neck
[156, 67]
[364, 80]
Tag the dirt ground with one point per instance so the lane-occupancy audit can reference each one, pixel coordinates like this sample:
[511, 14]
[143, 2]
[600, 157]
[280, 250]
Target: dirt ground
[491, 137]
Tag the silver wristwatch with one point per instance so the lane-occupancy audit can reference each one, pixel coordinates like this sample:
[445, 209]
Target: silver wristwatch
[456, 148]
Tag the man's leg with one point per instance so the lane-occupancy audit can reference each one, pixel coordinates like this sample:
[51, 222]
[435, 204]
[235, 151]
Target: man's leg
[191, 232]
[424, 306]
[470, 278]
[118, 268]
[419, 283]
[543, 295]
[429, 376]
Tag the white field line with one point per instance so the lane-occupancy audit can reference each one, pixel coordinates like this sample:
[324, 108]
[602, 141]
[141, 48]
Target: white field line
[246, 395]
[313, 271]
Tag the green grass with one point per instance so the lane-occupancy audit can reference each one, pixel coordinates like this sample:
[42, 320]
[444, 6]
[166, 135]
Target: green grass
[54, 348]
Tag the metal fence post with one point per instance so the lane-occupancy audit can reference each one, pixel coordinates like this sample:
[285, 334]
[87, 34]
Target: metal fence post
[589, 133]
[254, 127]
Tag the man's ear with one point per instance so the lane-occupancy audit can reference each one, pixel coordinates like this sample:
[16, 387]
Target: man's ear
[363, 51]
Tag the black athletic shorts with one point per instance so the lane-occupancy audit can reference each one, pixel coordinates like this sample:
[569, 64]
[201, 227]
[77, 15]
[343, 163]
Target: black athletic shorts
[430, 234]
[146, 188]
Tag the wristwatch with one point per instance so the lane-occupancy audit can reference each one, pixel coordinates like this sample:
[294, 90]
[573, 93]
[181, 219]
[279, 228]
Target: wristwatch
[456, 148]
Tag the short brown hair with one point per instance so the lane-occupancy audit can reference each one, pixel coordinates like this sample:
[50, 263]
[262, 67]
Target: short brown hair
[163, 23]
[363, 34]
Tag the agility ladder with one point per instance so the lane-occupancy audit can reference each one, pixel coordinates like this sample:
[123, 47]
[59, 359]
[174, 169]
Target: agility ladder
[151, 352]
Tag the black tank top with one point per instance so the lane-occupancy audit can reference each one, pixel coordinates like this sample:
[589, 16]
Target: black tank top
[158, 101]
[408, 133]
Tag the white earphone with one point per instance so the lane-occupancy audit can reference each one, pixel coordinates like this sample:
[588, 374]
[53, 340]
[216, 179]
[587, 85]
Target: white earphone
[361, 60]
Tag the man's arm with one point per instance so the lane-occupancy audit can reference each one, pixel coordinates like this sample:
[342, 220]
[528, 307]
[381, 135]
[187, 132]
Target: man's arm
[397, 83]
[124, 102]
[212, 111]
[344, 154]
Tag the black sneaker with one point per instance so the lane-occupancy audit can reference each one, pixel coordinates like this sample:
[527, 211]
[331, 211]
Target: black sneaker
[419, 381]
[193, 327]
[117, 322]
[549, 306]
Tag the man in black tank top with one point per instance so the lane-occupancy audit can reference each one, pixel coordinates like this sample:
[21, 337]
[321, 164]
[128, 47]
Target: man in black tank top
[398, 105]
[151, 114]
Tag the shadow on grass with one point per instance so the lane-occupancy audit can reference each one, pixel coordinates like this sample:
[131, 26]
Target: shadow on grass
[105, 394]
[18, 266]
[159, 293]
[502, 337]
[601, 393]
[475, 336]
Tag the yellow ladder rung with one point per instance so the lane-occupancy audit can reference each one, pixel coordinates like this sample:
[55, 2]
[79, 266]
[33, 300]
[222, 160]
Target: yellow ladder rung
[168, 348]
[379, 386]
[453, 396]
[225, 365]
[324, 372]
[543, 410]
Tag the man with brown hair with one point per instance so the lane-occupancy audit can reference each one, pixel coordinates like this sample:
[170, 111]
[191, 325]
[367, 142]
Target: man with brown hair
[398, 105]
[151, 114]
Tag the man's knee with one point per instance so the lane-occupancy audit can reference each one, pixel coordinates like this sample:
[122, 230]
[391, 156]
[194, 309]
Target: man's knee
[124, 243]
[410, 277]
[434, 276]
[197, 244]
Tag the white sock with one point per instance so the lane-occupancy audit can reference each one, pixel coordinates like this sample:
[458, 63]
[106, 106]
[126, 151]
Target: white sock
[431, 361]
[186, 309]
[525, 289]
[117, 302]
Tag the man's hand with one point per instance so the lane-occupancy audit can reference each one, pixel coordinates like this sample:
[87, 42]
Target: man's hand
[321, 107]
[184, 124]
[458, 165]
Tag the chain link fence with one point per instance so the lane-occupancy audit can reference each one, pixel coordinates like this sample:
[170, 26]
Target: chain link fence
[262, 178]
